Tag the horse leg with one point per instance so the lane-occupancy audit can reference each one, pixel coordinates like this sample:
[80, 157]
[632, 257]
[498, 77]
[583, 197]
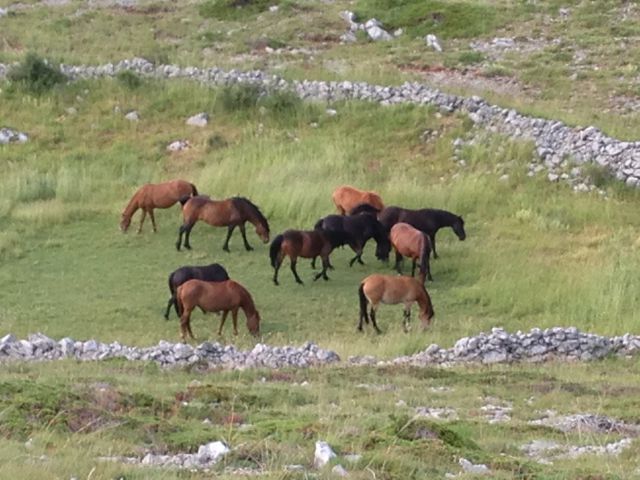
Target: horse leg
[180, 232]
[234, 317]
[244, 238]
[187, 229]
[190, 332]
[294, 260]
[230, 229]
[406, 316]
[276, 268]
[358, 257]
[144, 215]
[372, 314]
[166, 314]
[153, 221]
[398, 262]
[325, 266]
[413, 268]
[432, 237]
[184, 324]
[224, 318]
[313, 263]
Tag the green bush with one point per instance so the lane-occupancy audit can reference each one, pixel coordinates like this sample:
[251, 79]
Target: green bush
[281, 103]
[129, 79]
[36, 75]
[239, 97]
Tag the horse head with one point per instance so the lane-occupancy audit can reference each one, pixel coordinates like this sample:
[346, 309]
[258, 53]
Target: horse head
[253, 323]
[263, 232]
[125, 221]
[458, 228]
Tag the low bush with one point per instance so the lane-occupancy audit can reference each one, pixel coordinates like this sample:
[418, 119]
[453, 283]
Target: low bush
[36, 75]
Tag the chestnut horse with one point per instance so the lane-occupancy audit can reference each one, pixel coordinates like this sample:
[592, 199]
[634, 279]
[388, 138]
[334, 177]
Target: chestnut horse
[225, 297]
[305, 244]
[209, 273]
[411, 242]
[346, 198]
[231, 213]
[392, 289]
[155, 195]
[427, 220]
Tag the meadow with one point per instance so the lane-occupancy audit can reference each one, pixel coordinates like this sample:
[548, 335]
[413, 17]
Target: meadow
[537, 254]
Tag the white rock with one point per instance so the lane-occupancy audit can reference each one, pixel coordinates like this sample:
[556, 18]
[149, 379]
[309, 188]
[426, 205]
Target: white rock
[479, 469]
[323, 454]
[398, 32]
[331, 112]
[433, 42]
[378, 34]
[339, 471]
[212, 451]
[132, 116]
[178, 145]
[199, 120]
[274, 8]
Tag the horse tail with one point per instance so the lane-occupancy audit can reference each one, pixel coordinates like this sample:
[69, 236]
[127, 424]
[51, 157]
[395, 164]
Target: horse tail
[363, 304]
[185, 198]
[424, 254]
[194, 190]
[274, 249]
[178, 302]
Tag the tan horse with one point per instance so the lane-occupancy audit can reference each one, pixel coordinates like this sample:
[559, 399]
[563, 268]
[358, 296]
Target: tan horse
[411, 242]
[392, 289]
[225, 297]
[346, 198]
[231, 213]
[155, 195]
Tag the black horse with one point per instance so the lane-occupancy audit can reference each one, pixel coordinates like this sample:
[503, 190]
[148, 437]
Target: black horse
[209, 273]
[358, 229]
[428, 220]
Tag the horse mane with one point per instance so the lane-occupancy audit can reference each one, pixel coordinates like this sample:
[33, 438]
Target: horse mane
[442, 214]
[244, 204]
[364, 208]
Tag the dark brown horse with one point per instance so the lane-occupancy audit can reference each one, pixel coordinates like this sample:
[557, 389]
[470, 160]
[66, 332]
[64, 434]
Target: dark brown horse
[392, 289]
[305, 244]
[155, 195]
[411, 242]
[225, 297]
[427, 220]
[231, 213]
[346, 198]
[209, 273]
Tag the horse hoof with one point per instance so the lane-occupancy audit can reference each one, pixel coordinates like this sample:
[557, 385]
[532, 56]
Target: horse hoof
[248, 248]
[188, 247]
[226, 249]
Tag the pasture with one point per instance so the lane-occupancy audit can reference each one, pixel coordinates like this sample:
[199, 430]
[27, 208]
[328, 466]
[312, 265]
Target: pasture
[537, 254]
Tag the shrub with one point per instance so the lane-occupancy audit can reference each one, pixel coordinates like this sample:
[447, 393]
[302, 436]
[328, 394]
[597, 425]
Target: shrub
[36, 75]
[239, 97]
[216, 142]
[281, 103]
[129, 79]
[470, 57]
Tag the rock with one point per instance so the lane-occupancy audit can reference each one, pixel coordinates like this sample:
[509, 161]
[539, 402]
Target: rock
[7, 135]
[348, 37]
[178, 145]
[467, 466]
[331, 112]
[339, 471]
[132, 116]
[323, 454]
[274, 8]
[212, 452]
[199, 120]
[398, 32]
[433, 42]
[353, 458]
[376, 34]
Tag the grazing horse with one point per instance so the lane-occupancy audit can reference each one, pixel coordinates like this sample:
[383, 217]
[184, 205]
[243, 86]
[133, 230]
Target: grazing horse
[427, 220]
[232, 212]
[346, 198]
[359, 229]
[305, 244]
[227, 296]
[155, 195]
[411, 242]
[209, 273]
[392, 289]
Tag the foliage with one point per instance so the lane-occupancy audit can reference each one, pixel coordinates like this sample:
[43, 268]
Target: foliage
[129, 79]
[36, 75]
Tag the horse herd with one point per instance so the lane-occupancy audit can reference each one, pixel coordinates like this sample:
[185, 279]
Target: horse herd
[362, 216]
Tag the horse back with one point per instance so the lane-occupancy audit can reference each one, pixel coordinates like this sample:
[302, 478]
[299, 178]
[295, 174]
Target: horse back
[407, 240]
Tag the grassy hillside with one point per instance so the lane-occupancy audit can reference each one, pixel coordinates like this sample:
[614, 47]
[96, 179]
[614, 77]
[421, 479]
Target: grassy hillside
[536, 255]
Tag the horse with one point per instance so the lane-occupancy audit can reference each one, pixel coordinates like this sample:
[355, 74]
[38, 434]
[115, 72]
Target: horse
[427, 220]
[226, 296]
[346, 198]
[359, 228]
[411, 242]
[305, 244]
[210, 273]
[155, 195]
[231, 212]
[392, 289]
[365, 208]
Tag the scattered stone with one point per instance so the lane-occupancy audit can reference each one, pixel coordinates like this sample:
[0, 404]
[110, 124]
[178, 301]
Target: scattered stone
[353, 458]
[398, 32]
[433, 42]
[476, 469]
[212, 451]
[331, 112]
[178, 145]
[585, 422]
[443, 413]
[274, 8]
[323, 454]
[71, 111]
[132, 116]
[339, 471]
[198, 120]
[375, 31]
[348, 37]
[3, 12]
[8, 135]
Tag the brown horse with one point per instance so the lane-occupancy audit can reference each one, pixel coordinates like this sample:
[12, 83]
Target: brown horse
[231, 213]
[305, 244]
[391, 289]
[411, 242]
[225, 297]
[155, 195]
[346, 198]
